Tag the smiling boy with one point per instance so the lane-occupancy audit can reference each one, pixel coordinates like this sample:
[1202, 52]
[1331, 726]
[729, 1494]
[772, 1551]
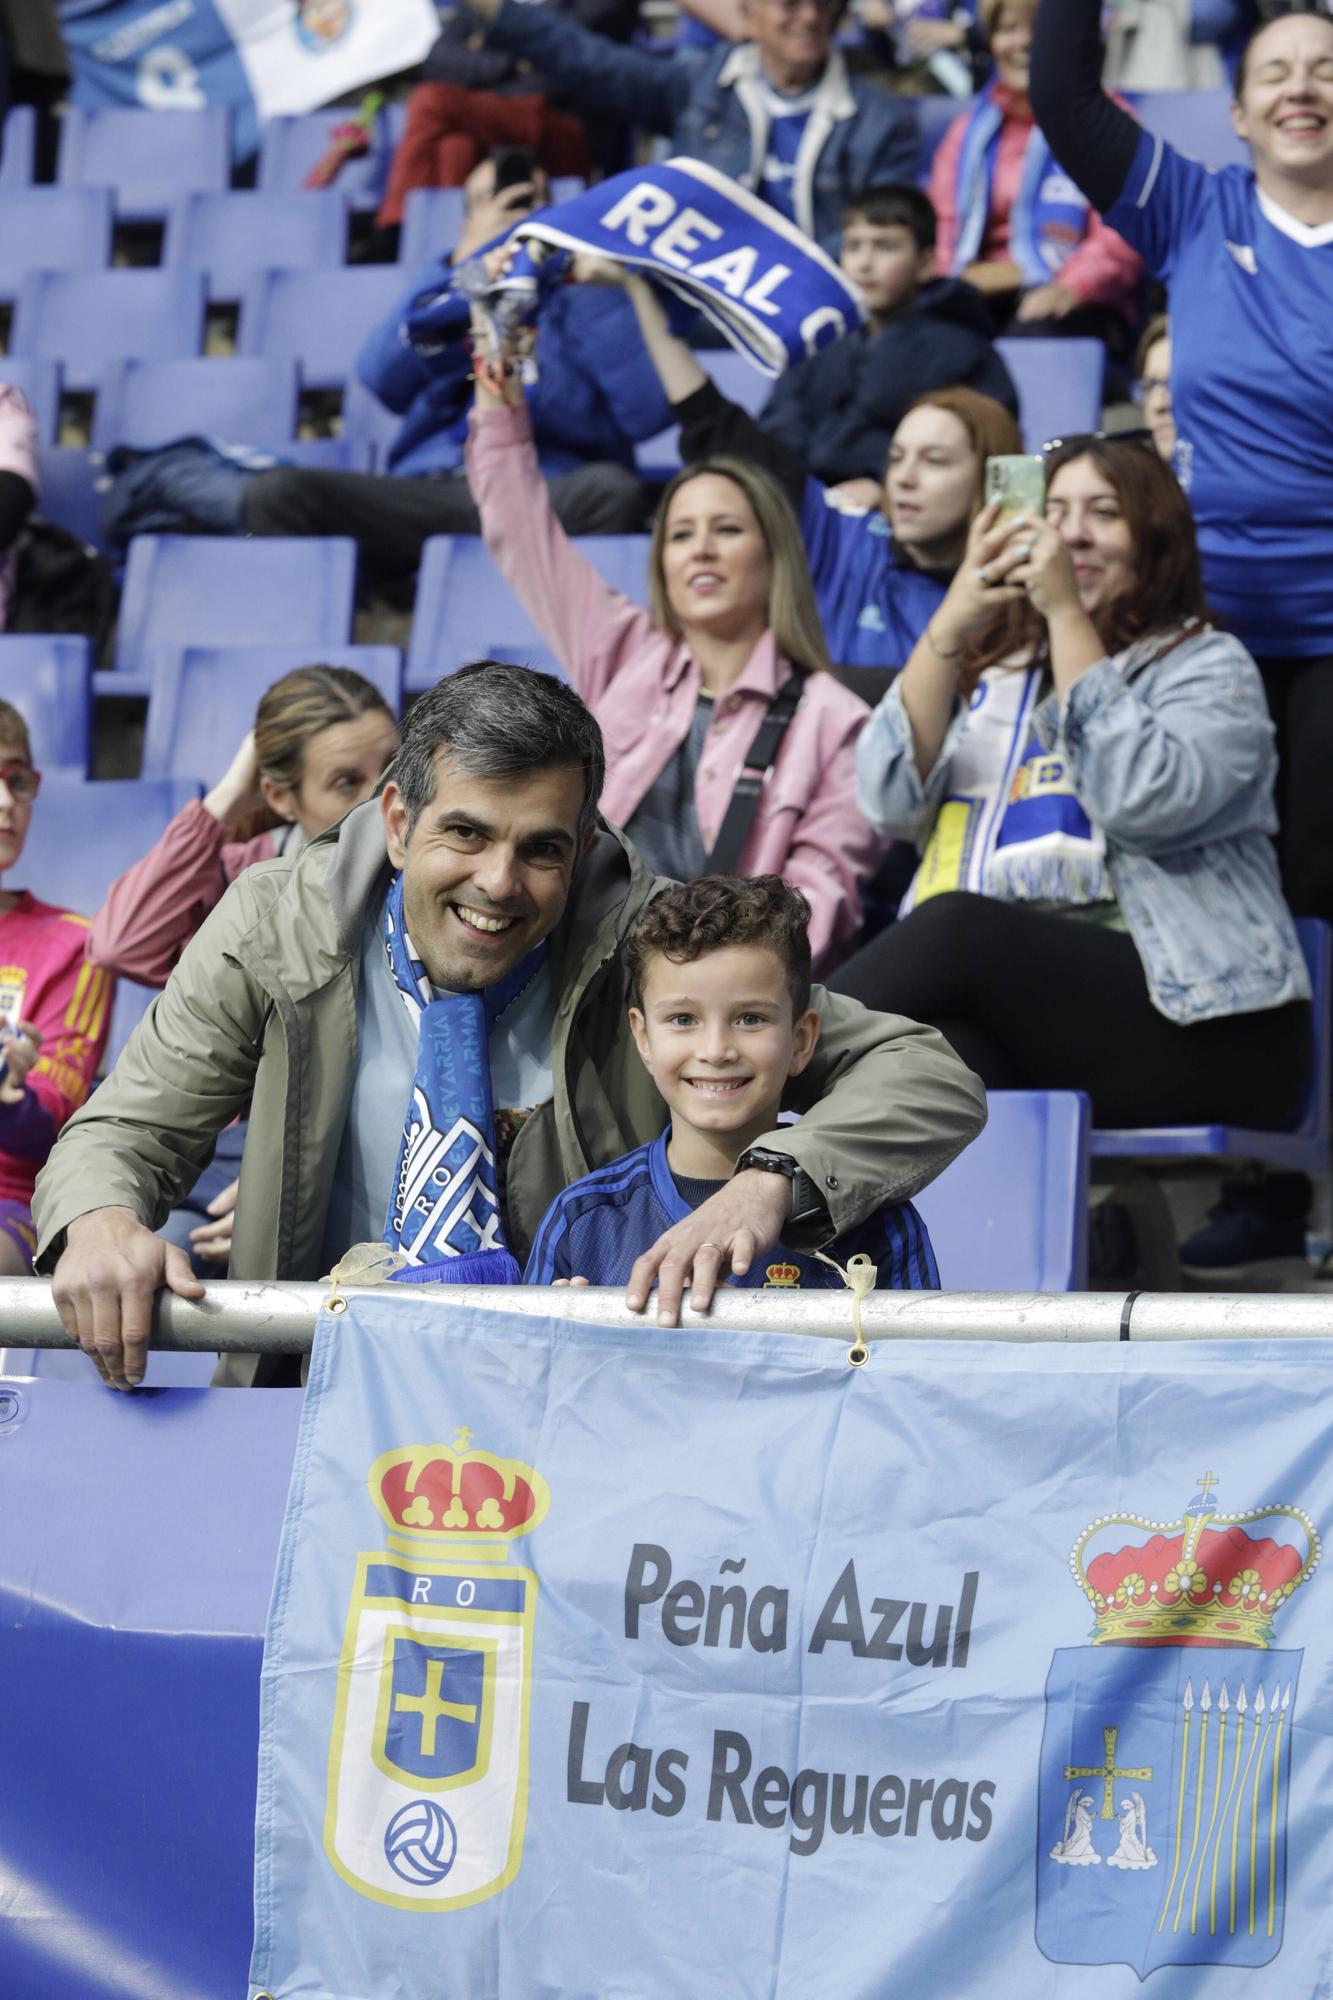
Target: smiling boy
[720, 973]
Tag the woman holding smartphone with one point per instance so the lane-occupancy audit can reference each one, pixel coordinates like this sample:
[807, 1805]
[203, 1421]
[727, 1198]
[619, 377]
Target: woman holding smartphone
[1087, 768]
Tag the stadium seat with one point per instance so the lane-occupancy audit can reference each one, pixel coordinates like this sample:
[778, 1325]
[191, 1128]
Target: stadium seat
[466, 611]
[204, 698]
[1011, 1213]
[72, 483]
[85, 319]
[291, 145]
[18, 150]
[52, 229]
[48, 679]
[432, 224]
[184, 589]
[235, 236]
[40, 383]
[152, 402]
[319, 318]
[147, 158]
[1059, 384]
[366, 420]
[340, 454]
[1303, 1145]
[740, 382]
[935, 115]
[83, 836]
[1197, 122]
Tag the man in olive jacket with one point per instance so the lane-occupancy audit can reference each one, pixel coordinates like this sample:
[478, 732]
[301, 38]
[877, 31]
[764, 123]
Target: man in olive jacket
[489, 810]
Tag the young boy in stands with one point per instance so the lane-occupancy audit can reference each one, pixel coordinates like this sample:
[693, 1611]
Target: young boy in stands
[839, 409]
[720, 972]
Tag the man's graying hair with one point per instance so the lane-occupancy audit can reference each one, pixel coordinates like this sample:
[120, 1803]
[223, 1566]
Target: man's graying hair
[498, 721]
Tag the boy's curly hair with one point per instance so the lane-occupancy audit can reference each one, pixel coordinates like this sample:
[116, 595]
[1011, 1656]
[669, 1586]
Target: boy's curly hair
[714, 911]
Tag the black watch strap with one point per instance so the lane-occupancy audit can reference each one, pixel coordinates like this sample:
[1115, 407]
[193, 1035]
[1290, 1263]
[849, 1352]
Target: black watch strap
[807, 1203]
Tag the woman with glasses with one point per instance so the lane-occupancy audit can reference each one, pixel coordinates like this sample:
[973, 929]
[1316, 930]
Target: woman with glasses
[54, 1010]
[1087, 766]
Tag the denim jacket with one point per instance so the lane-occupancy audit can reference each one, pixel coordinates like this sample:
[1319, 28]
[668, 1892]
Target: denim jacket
[709, 104]
[1174, 759]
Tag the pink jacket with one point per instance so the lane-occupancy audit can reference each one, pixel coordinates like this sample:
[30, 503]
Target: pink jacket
[643, 687]
[155, 908]
[1103, 270]
[18, 453]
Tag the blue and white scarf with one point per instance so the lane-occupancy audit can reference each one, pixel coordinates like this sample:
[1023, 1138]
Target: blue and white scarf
[444, 1209]
[714, 246]
[1049, 218]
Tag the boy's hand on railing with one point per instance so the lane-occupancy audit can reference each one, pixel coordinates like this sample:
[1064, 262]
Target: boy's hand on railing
[104, 1286]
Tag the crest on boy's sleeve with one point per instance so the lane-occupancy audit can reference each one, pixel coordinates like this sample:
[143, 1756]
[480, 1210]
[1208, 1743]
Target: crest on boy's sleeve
[428, 1762]
[1166, 1756]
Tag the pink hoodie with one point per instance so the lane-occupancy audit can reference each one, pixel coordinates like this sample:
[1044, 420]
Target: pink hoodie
[643, 687]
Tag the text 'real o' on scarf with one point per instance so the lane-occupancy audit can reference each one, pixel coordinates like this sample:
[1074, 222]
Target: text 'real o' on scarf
[444, 1210]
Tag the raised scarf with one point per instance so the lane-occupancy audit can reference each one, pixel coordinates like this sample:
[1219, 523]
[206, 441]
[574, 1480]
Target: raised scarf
[444, 1210]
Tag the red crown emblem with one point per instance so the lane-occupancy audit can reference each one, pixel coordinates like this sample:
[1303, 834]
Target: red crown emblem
[1204, 1580]
[432, 1492]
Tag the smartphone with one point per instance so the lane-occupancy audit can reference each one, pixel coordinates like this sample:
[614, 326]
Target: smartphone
[1018, 482]
[513, 166]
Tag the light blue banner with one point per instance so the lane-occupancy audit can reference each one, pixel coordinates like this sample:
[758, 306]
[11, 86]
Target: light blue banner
[689, 1664]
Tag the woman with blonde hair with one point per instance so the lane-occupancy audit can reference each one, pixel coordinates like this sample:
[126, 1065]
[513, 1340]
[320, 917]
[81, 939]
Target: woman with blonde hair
[729, 746]
[321, 737]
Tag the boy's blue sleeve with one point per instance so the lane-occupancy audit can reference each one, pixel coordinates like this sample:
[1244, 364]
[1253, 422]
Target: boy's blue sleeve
[549, 1258]
[899, 1242]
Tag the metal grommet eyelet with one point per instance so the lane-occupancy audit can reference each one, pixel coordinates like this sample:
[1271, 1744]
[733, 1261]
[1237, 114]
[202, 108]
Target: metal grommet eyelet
[337, 1305]
[831, 1180]
[858, 1356]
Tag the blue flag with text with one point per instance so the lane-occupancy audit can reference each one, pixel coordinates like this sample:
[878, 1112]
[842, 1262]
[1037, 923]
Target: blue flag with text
[674, 1663]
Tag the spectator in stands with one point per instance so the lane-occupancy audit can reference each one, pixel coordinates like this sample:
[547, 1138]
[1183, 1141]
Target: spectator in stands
[1152, 373]
[838, 410]
[684, 695]
[877, 576]
[322, 737]
[1012, 224]
[54, 1010]
[1087, 767]
[1249, 257]
[18, 484]
[487, 841]
[721, 1015]
[594, 397]
[779, 113]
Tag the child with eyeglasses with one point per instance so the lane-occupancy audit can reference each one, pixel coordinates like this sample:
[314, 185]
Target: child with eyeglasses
[54, 1009]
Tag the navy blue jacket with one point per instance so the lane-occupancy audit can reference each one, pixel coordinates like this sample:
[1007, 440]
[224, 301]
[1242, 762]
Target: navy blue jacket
[595, 397]
[840, 408]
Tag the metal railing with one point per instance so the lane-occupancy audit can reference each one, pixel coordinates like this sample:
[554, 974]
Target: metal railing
[238, 1316]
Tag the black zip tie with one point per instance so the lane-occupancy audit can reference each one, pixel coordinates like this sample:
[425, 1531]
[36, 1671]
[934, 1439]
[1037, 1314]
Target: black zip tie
[1131, 1300]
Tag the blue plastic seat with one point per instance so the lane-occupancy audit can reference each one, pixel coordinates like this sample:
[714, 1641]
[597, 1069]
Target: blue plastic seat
[84, 834]
[84, 319]
[151, 402]
[1197, 122]
[1059, 384]
[72, 484]
[340, 454]
[52, 229]
[204, 698]
[1304, 1144]
[740, 382]
[183, 590]
[49, 681]
[365, 419]
[432, 224]
[935, 114]
[234, 236]
[295, 142]
[39, 381]
[19, 149]
[466, 611]
[321, 319]
[147, 158]
[1011, 1213]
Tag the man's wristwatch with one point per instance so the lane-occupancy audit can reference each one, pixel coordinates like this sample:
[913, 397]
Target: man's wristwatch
[807, 1203]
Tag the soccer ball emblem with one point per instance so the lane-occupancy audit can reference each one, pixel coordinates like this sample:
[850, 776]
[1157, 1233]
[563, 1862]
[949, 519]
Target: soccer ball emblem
[420, 1842]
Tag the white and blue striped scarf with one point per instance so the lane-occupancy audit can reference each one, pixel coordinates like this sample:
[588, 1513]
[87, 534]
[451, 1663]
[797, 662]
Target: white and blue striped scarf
[444, 1210]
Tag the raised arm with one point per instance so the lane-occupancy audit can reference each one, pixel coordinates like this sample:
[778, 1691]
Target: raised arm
[595, 72]
[1094, 140]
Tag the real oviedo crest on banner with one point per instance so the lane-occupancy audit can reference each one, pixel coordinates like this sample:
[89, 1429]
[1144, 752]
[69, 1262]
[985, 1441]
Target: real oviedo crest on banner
[428, 1763]
[1166, 1757]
